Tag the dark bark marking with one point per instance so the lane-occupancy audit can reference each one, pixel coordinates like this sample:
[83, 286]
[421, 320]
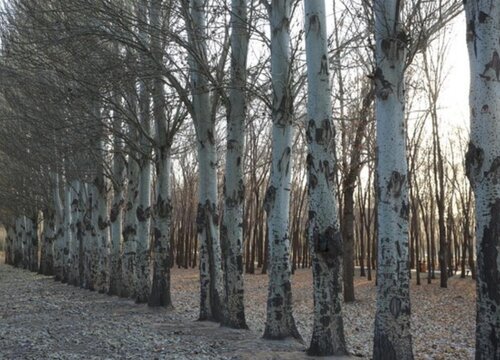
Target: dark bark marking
[319, 136]
[309, 162]
[314, 23]
[241, 190]
[383, 347]
[385, 44]
[310, 128]
[128, 231]
[74, 205]
[102, 223]
[491, 235]
[328, 245]
[281, 113]
[472, 35]
[211, 137]
[269, 198]
[494, 172]
[395, 306]
[115, 211]
[404, 212]
[324, 66]
[157, 235]
[493, 64]
[325, 321]
[163, 207]
[482, 17]
[141, 214]
[473, 161]
[231, 144]
[395, 185]
[384, 87]
[201, 220]
[313, 181]
[277, 301]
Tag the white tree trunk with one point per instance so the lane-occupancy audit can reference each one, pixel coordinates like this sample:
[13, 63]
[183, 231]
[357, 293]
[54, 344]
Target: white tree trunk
[47, 243]
[75, 224]
[116, 219]
[13, 245]
[142, 287]
[130, 229]
[211, 277]
[20, 235]
[392, 338]
[26, 225]
[89, 246]
[102, 227]
[21, 240]
[324, 235]
[17, 246]
[160, 288]
[234, 188]
[70, 215]
[59, 258]
[280, 322]
[143, 212]
[483, 167]
[32, 241]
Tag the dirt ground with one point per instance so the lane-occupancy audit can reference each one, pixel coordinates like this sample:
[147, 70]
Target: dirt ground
[44, 319]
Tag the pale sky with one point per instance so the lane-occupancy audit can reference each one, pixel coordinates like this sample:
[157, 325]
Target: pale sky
[455, 97]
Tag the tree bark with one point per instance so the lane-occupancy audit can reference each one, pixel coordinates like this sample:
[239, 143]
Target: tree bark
[32, 241]
[482, 167]
[324, 234]
[47, 243]
[160, 289]
[142, 286]
[102, 244]
[116, 219]
[210, 262]
[392, 338]
[75, 200]
[234, 188]
[130, 229]
[279, 321]
[59, 257]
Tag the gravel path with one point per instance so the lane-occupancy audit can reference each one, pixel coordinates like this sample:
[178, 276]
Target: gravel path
[44, 319]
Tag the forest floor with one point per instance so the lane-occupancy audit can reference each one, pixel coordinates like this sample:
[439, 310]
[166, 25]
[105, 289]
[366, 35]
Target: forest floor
[44, 319]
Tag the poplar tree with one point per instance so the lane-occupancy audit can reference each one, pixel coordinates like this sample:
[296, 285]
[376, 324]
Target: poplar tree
[324, 234]
[392, 338]
[483, 167]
